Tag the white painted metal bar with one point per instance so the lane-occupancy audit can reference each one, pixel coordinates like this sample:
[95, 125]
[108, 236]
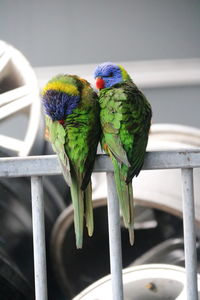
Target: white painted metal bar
[189, 234]
[49, 164]
[114, 239]
[146, 74]
[39, 239]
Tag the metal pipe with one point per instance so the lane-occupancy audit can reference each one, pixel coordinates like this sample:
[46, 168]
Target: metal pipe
[114, 239]
[49, 164]
[39, 238]
[189, 234]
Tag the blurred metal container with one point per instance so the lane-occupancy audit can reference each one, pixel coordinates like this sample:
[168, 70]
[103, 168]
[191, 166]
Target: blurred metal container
[149, 282]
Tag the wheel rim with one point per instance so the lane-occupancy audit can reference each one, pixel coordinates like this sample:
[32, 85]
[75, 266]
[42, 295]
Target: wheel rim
[19, 95]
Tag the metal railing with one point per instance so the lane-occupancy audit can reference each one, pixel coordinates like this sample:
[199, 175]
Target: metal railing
[36, 167]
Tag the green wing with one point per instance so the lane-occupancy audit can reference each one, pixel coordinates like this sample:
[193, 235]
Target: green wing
[138, 125]
[126, 118]
[111, 117]
[56, 135]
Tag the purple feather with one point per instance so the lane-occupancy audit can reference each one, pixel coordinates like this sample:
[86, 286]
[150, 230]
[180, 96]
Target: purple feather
[57, 105]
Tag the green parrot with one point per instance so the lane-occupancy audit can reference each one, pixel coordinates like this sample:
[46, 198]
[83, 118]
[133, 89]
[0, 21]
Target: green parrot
[73, 126]
[125, 116]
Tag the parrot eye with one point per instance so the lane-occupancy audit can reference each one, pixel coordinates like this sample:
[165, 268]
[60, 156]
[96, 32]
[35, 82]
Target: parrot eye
[109, 75]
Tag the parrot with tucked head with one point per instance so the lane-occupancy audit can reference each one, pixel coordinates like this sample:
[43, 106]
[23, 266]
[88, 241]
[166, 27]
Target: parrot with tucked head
[72, 121]
[125, 116]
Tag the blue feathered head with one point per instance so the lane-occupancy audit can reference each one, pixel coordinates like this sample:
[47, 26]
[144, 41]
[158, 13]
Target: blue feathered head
[108, 74]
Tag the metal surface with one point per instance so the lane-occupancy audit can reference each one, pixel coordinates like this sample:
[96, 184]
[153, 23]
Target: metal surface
[114, 239]
[49, 164]
[39, 239]
[189, 234]
[35, 166]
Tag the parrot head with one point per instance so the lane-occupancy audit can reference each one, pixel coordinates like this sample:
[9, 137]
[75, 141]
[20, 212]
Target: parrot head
[60, 97]
[108, 74]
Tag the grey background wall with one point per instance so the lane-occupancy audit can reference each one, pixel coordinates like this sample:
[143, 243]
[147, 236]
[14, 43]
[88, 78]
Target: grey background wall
[59, 32]
[65, 32]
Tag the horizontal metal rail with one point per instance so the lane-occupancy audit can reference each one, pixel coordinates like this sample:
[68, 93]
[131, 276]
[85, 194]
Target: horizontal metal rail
[146, 74]
[37, 166]
[49, 164]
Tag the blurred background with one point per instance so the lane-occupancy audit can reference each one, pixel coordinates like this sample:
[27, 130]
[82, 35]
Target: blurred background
[74, 32]
[52, 33]
[158, 43]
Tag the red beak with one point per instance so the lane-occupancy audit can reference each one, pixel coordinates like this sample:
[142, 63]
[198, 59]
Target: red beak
[100, 83]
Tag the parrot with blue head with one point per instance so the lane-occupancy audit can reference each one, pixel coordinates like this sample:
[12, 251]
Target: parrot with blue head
[73, 126]
[125, 116]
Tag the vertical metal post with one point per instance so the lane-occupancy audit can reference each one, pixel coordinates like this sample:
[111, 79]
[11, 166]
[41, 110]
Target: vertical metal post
[189, 234]
[39, 238]
[114, 239]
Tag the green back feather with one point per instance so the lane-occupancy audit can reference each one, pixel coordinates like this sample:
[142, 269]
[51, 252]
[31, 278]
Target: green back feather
[57, 134]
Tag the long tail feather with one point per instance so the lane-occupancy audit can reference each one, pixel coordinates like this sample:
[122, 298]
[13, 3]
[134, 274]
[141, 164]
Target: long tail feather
[78, 203]
[131, 205]
[125, 194]
[89, 209]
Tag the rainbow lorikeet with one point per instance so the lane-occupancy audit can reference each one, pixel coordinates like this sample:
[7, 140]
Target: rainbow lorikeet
[72, 120]
[125, 116]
